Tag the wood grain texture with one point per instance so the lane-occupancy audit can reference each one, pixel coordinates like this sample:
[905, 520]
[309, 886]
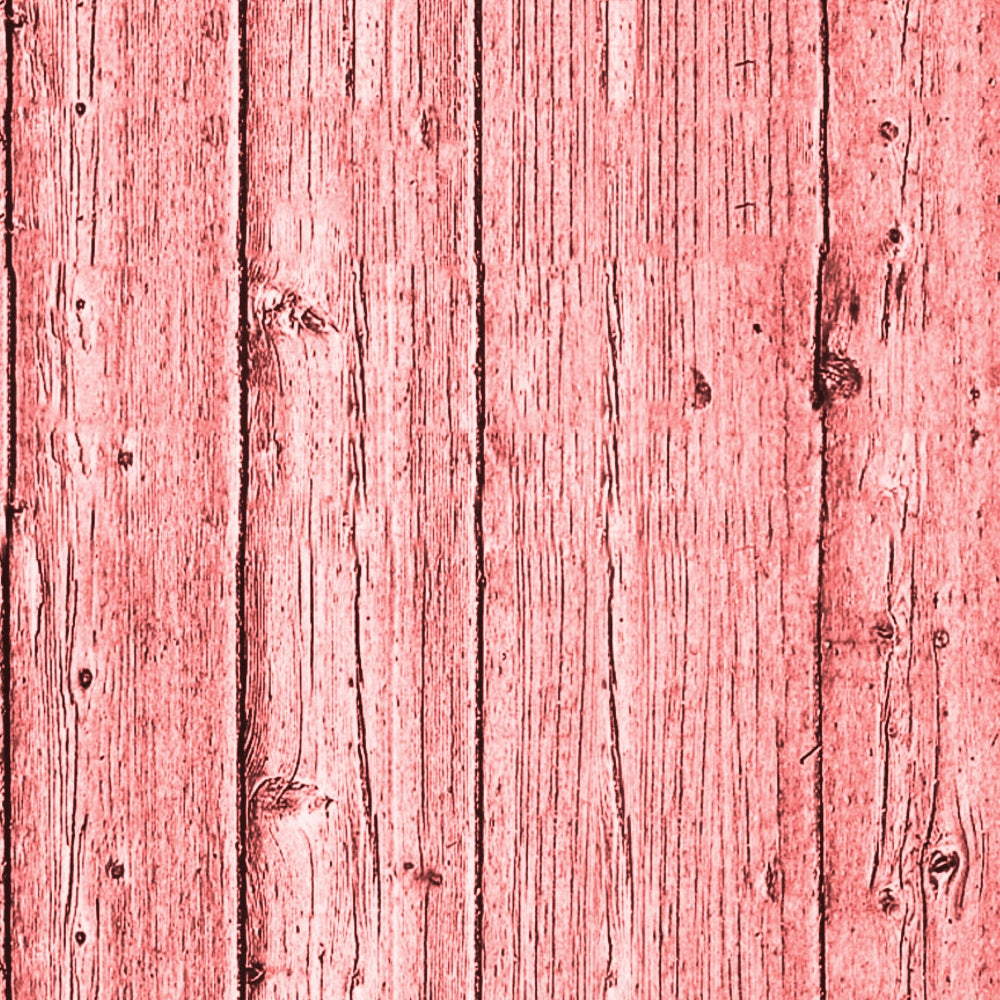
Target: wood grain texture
[360, 561]
[122, 617]
[651, 226]
[911, 593]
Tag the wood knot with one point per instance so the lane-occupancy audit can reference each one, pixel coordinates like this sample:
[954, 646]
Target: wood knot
[888, 130]
[254, 973]
[887, 902]
[838, 378]
[278, 797]
[883, 629]
[702, 390]
[941, 639]
[942, 867]
[124, 459]
[115, 869]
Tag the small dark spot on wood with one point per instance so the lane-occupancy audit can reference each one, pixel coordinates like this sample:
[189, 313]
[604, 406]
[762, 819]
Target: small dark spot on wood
[772, 879]
[839, 379]
[80, 937]
[350, 682]
[115, 869]
[427, 124]
[855, 306]
[940, 639]
[975, 435]
[900, 283]
[895, 236]
[974, 394]
[18, 20]
[757, 328]
[407, 866]
[86, 678]
[80, 303]
[702, 390]
[887, 902]
[254, 973]
[888, 130]
[434, 878]
[80, 107]
[124, 459]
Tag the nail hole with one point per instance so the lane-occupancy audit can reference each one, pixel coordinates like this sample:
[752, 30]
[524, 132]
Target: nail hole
[757, 328]
[895, 236]
[80, 304]
[86, 678]
[80, 107]
[888, 130]
[80, 937]
[941, 639]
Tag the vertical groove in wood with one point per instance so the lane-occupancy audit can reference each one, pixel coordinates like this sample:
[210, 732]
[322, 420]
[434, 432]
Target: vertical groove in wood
[360, 541]
[8, 452]
[912, 593]
[479, 734]
[653, 474]
[243, 971]
[121, 204]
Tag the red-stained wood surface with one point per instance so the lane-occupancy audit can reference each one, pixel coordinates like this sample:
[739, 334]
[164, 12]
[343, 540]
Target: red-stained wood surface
[123, 525]
[911, 595]
[653, 480]
[672, 319]
[360, 599]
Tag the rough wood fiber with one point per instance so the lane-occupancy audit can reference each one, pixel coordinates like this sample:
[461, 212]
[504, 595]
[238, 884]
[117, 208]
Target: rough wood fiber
[911, 593]
[360, 588]
[653, 484]
[122, 710]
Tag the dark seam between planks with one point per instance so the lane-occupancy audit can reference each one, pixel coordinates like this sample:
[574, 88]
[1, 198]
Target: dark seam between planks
[819, 401]
[241, 548]
[477, 245]
[10, 505]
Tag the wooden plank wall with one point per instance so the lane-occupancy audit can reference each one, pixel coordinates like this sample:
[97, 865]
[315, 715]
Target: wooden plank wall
[499, 499]
[122, 515]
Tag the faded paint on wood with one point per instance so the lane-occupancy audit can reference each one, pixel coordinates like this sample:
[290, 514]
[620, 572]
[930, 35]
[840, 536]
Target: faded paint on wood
[698, 220]
[653, 471]
[122, 618]
[360, 588]
[911, 591]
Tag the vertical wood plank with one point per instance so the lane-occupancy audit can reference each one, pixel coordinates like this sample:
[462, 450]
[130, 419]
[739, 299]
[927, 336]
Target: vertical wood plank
[912, 593]
[360, 585]
[653, 485]
[122, 603]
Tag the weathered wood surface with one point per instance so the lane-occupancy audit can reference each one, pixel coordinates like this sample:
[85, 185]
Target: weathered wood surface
[911, 595]
[717, 414]
[360, 598]
[122, 533]
[653, 472]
